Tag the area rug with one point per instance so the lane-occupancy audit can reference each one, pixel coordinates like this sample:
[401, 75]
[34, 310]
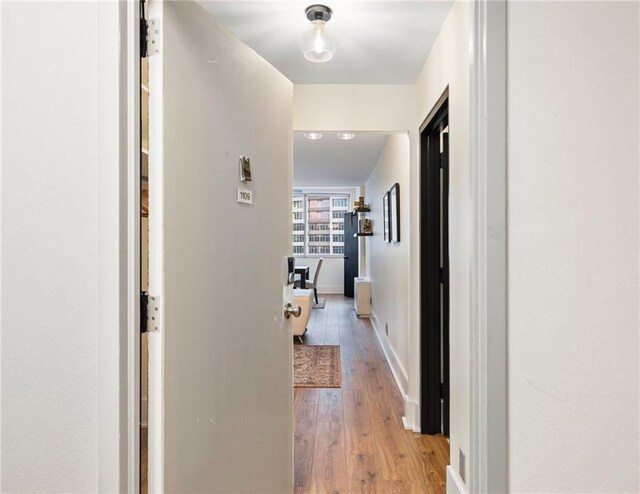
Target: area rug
[316, 366]
[320, 304]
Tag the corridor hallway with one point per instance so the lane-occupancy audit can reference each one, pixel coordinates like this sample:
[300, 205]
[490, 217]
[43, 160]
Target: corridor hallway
[351, 439]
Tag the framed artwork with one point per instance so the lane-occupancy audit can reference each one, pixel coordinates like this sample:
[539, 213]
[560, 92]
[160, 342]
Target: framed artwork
[394, 213]
[385, 211]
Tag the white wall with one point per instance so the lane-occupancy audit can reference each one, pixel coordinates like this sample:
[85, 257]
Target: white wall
[331, 275]
[573, 159]
[378, 108]
[62, 423]
[388, 263]
[448, 65]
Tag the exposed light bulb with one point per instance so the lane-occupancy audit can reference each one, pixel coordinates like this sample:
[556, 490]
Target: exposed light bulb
[314, 136]
[319, 45]
[346, 136]
[316, 41]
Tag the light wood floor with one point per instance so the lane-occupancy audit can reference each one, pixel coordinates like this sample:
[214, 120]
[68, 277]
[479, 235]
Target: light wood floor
[351, 440]
[144, 455]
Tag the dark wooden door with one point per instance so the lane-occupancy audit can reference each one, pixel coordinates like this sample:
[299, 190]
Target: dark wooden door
[350, 253]
[444, 281]
[434, 276]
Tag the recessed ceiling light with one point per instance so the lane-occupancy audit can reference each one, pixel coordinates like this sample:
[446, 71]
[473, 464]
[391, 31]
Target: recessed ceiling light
[314, 136]
[317, 42]
[346, 136]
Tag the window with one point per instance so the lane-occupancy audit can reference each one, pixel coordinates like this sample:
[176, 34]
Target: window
[319, 238]
[319, 227]
[340, 202]
[316, 220]
[316, 249]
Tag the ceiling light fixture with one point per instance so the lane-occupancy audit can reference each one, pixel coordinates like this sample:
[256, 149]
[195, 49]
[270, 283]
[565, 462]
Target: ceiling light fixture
[317, 42]
[314, 136]
[346, 136]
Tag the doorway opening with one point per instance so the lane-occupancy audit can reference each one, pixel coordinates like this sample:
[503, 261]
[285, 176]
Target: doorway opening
[434, 275]
[353, 437]
[144, 271]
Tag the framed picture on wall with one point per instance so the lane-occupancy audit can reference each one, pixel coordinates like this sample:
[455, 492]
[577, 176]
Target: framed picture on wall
[394, 213]
[385, 212]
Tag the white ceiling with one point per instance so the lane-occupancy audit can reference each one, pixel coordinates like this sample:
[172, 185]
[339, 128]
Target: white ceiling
[379, 42]
[330, 162]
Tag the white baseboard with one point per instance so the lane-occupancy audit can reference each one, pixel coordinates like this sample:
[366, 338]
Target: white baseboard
[455, 485]
[411, 420]
[399, 374]
[331, 290]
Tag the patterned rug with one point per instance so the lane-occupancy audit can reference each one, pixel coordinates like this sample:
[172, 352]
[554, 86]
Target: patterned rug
[316, 366]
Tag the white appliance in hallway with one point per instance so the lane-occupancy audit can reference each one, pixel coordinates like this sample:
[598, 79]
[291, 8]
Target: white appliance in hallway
[362, 299]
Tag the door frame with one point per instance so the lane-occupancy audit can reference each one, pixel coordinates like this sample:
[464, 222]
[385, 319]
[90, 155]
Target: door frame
[432, 345]
[487, 458]
[488, 471]
[130, 31]
[118, 246]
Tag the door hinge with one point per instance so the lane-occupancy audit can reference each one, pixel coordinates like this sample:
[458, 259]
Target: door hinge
[153, 37]
[153, 313]
[442, 391]
[149, 34]
[144, 310]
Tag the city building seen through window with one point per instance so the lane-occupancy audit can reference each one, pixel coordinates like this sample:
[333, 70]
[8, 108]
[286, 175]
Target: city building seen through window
[318, 224]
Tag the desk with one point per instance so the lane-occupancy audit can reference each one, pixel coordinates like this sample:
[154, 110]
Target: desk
[303, 271]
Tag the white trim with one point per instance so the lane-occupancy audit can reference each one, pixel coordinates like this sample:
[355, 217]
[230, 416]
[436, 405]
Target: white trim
[411, 418]
[399, 375]
[331, 290]
[397, 369]
[114, 290]
[132, 44]
[455, 485]
[156, 261]
[1, 312]
[488, 372]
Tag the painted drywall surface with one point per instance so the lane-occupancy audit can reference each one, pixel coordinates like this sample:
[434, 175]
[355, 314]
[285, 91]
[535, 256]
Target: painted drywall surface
[573, 246]
[388, 263]
[353, 107]
[225, 330]
[331, 275]
[448, 66]
[50, 244]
